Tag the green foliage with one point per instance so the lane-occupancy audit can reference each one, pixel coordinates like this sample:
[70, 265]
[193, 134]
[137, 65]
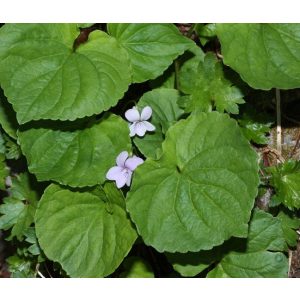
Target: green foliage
[30, 238]
[7, 117]
[286, 180]
[44, 78]
[20, 267]
[289, 224]
[64, 93]
[136, 267]
[4, 171]
[18, 210]
[252, 265]
[265, 55]
[193, 191]
[255, 126]
[188, 72]
[206, 32]
[2, 144]
[209, 88]
[75, 157]
[166, 80]
[9, 147]
[192, 263]
[12, 149]
[257, 256]
[87, 232]
[165, 113]
[260, 256]
[151, 47]
[265, 233]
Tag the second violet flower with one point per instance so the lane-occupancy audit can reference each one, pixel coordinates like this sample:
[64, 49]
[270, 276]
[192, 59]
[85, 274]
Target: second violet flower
[139, 121]
[122, 172]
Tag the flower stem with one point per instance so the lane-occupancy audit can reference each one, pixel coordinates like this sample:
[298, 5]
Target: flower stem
[278, 117]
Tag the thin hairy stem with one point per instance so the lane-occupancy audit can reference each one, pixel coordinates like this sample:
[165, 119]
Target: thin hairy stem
[278, 118]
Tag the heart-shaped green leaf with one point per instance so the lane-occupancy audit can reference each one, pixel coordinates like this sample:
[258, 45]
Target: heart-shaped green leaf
[44, 78]
[151, 47]
[252, 265]
[241, 257]
[265, 233]
[88, 233]
[256, 259]
[75, 157]
[165, 112]
[202, 189]
[265, 55]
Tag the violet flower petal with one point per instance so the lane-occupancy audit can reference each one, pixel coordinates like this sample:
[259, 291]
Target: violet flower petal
[133, 162]
[132, 115]
[113, 173]
[121, 179]
[122, 158]
[128, 181]
[149, 126]
[140, 128]
[146, 113]
[132, 130]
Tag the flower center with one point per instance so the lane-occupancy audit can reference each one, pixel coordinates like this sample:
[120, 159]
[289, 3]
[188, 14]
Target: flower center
[125, 172]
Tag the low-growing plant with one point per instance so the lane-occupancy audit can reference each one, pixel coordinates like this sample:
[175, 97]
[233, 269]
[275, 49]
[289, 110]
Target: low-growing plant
[139, 150]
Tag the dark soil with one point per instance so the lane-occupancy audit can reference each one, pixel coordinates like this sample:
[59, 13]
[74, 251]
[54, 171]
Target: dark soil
[3, 266]
[295, 264]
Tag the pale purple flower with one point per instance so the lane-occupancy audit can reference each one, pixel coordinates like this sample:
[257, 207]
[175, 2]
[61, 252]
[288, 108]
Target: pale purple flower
[139, 121]
[122, 173]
